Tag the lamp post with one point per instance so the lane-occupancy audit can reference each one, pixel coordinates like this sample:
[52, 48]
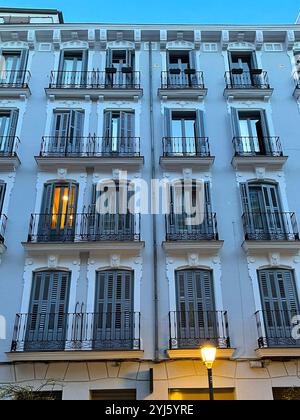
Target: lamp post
[209, 356]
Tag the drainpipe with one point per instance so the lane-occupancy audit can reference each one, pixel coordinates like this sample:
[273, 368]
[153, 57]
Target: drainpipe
[154, 221]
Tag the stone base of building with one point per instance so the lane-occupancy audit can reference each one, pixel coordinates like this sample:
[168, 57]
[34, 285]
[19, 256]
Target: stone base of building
[171, 380]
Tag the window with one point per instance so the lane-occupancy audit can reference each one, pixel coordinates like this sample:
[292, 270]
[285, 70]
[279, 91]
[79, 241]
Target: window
[196, 316]
[118, 132]
[114, 395]
[13, 69]
[120, 59]
[67, 132]
[120, 65]
[114, 317]
[8, 127]
[280, 304]
[263, 216]
[185, 133]
[251, 133]
[221, 394]
[58, 215]
[73, 68]
[242, 60]
[286, 394]
[110, 217]
[47, 318]
[181, 67]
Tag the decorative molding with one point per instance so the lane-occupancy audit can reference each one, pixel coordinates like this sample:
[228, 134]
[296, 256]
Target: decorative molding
[198, 39]
[75, 44]
[193, 260]
[103, 38]
[163, 39]
[62, 173]
[92, 38]
[259, 40]
[241, 46]
[121, 44]
[57, 39]
[260, 173]
[14, 45]
[290, 40]
[180, 45]
[115, 261]
[53, 261]
[137, 38]
[275, 259]
[225, 40]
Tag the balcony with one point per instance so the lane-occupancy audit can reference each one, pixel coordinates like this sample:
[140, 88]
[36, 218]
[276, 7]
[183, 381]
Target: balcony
[14, 84]
[275, 332]
[3, 223]
[253, 152]
[8, 152]
[76, 336]
[109, 84]
[271, 231]
[84, 232]
[90, 152]
[190, 330]
[297, 85]
[186, 152]
[252, 84]
[177, 84]
[181, 237]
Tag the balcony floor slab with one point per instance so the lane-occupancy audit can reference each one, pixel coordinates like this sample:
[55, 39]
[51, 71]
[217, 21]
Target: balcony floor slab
[205, 247]
[222, 354]
[266, 247]
[279, 353]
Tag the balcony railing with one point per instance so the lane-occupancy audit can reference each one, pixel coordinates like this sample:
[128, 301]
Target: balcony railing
[84, 227]
[193, 329]
[275, 329]
[270, 226]
[178, 229]
[9, 146]
[92, 146]
[14, 79]
[3, 223]
[254, 146]
[186, 147]
[109, 79]
[254, 79]
[178, 79]
[38, 332]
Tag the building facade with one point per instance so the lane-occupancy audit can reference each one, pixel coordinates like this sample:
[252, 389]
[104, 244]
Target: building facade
[117, 306]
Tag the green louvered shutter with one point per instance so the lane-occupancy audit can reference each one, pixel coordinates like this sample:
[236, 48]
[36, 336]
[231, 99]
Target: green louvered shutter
[114, 316]
[280, 304]
[47, 319]
[2, 194]
[196, 316]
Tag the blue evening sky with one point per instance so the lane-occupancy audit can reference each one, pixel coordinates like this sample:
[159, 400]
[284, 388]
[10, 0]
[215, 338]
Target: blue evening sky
[170, 11]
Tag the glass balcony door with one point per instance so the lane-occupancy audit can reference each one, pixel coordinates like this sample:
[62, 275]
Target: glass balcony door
[57, 221]
[72, 69]
[251, 132]
[183, 134]
[67, 133]
[8, 126]
[245, 62]
[179, 62]
[122, 64]
[118, 133]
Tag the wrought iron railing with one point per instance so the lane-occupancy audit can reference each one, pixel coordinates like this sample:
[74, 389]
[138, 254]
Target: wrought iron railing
[276, 328]
[9, 146]
[186, 146]
[84, 227]
[178, 79]
[270, 226]
[3, 223]
[254, 79]
[76, 331]
[109, 79]
[92, 146]
[193, 329]
[14, 79]
[255, 146]
[180, 227]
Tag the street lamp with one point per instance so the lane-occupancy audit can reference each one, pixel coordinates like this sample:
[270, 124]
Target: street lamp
[209, 356]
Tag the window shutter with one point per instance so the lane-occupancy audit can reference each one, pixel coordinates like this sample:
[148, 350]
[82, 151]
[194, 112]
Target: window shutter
[235, 122]
[264, 123]
[168, 122]
[107, 124]
[130, 58]
[192, 58]
[47, 199]
[14, 115]
[61, 61]
[2, 194]
[109, 57]
[61, 123]
[76, 124]
[85, 60]
[23, 60]
[208, 204]
[114, 309]
[244, 187]
[200, 123]
[46, 326]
